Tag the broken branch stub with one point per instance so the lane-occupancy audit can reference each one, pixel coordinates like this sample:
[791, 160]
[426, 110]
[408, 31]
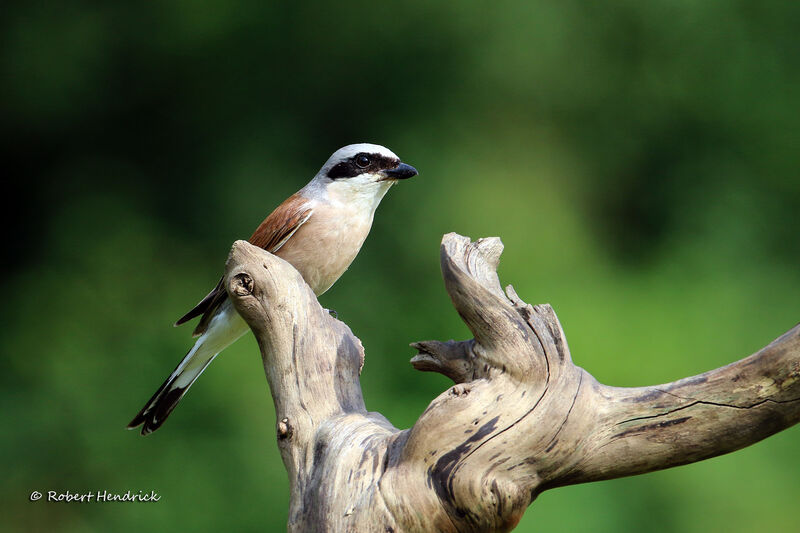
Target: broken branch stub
[521, 417]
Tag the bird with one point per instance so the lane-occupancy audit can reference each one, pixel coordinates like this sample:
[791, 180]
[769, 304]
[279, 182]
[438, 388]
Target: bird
[319, 230]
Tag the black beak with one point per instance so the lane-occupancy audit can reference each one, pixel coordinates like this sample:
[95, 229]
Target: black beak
[400, 172]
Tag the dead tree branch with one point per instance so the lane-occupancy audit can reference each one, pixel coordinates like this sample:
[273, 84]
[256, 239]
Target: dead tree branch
[521, 417]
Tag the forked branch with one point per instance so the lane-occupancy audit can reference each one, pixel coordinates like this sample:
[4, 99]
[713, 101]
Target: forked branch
[521, 418]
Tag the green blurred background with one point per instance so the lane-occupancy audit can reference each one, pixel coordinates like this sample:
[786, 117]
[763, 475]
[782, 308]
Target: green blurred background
[638, 159]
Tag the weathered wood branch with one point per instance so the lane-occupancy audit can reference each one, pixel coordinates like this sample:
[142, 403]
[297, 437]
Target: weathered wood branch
[521, 417]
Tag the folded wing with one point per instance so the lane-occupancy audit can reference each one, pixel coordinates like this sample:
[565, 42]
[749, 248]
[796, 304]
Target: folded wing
[271, 235]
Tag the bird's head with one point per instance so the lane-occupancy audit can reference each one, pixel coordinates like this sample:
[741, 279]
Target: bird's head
[363, 171]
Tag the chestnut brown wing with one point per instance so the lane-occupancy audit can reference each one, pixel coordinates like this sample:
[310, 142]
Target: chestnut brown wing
[270, 235]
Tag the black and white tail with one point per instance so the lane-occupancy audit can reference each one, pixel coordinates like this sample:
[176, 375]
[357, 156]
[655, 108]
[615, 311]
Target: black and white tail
[223, 330]
[158, 408]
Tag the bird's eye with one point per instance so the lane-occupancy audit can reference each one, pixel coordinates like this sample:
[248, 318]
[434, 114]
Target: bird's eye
[362, 161]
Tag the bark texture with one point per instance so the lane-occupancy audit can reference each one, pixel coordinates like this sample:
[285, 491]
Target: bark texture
[521, 417]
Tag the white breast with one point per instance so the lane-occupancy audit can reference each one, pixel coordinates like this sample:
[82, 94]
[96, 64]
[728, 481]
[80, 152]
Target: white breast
[323, 248]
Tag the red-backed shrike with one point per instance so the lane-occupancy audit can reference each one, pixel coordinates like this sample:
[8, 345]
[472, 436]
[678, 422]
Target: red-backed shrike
[319, 230]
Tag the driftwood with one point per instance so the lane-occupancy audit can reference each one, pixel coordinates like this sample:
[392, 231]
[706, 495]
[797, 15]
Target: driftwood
[520, 419]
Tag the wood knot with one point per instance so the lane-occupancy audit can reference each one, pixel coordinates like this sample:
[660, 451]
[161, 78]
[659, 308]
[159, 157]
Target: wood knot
[461, 389]
[242, 284]
[285, 430]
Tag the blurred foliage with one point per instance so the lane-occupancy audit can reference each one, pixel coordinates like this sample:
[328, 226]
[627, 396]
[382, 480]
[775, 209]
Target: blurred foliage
[638, 159]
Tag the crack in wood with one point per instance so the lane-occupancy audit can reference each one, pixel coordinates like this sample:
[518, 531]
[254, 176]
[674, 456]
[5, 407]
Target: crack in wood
[706, 402]
[549, 446]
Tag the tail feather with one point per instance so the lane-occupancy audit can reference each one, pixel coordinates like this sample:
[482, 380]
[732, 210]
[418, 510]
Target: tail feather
[139, 419]
[225, 327]
[166, 398]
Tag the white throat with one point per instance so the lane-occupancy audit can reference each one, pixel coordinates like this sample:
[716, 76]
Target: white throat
[362, 193]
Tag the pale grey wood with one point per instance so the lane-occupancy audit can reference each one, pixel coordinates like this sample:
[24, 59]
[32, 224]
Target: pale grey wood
[521, 417]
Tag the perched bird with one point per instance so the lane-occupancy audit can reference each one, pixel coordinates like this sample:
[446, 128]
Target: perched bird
[319, 230]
